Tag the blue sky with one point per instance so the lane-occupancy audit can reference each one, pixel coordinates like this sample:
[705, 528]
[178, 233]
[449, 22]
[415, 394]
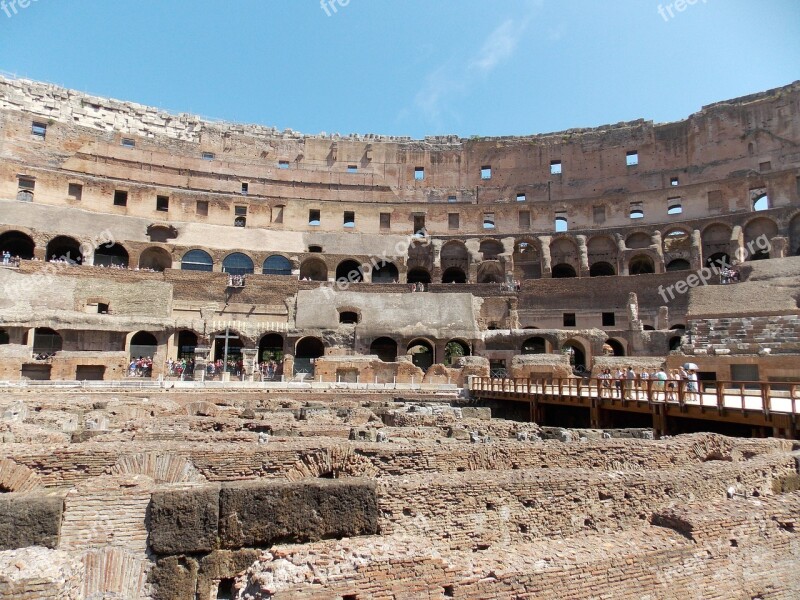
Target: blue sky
[409, 67]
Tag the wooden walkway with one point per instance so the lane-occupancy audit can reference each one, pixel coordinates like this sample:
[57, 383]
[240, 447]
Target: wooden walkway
[767, 408]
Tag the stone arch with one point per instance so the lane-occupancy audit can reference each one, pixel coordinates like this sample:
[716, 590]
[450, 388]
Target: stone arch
[350, 271]
[143, 343]
[678, 264]
[114, 255]
[276, 264]
[638, 240]
[564, 251]
[601, 269]
[155, 258]
[162, 467]
[423, 353]
[418, 275]
[270, 347]
[677, 245]
[64, 247]
[491, 249]
[602, 249]
[197, 260]
[333, 463]
[617, 346]
[758, 233]
[46, 340]
[385, 348]
[454, 349]
[454, 275]
[314, 269]
[18, 244]
[491, 272]
[238, 263]
[527, 260]
[534, 345]
[716, 239]
[385, 272]
[641, 264]
[563, 271]
[454, 254]
[15, 477]
[580, 355]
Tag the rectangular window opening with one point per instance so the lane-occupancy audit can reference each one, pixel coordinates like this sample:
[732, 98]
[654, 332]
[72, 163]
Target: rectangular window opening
[524, 219]
[162, 203]
[245, 188]
[313, 217]
[561, 222]
[521, 197]
[488, 220]
[419, 225]
[419, 173]
[128, 143]
[240, 211]
[555, 167]
[352, 169]
[349, 218]
[486, 172]
[202, 208]
[39, 129]
[637, 210]
[208, 156]
[283, 164]
[277, 214]
[632, 158]
[75, 191]
[452, 199]
[120, 198]
[386, 220]
[453, 221]
[569, 319]
[674, 182]
[25, 189]
[609, 319]
[599, 214]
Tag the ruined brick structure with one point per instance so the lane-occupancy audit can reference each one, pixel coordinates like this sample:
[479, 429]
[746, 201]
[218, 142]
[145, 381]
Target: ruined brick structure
[178, 238]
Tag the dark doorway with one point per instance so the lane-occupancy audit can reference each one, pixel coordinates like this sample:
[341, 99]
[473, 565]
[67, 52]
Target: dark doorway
[385, 348]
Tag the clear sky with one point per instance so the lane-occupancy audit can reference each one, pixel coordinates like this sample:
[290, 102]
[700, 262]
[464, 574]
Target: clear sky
[409, 67]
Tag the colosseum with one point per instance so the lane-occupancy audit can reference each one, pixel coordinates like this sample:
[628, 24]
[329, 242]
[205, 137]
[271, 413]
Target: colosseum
[243, 363]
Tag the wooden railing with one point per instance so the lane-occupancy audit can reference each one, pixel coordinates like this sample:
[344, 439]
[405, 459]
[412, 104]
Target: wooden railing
[764, 396]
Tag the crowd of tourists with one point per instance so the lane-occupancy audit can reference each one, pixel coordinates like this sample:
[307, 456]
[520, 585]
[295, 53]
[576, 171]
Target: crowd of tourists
[141, 367]
[10, 261]
[180, 368]
[667, 386]
[728, 275]
[217, 367]
[270, 370]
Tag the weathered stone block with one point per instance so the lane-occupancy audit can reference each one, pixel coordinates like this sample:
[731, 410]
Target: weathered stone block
[263, 514]
[477, 412]
[27, 520]
[174, 578]
[184, 521]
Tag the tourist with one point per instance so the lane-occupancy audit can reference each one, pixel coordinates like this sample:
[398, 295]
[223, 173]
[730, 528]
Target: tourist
[630, 382]
[605, 383]
[691, 386]
[619, 376]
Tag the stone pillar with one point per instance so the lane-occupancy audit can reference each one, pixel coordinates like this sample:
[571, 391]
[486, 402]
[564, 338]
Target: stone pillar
[696, 250]
[288, 366]
[778, 247]
[657, 244]
[736, 249]
[621, 268]
[663, 318]
[201, 354]
[583, 256]
[249, 356]
[547, 261]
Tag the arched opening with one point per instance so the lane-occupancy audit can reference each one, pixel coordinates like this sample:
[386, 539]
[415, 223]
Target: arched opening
[638, 240]
[197, 260]
[454, 254]
[678, 326]
[718, 260]
[418, 275]
[576, 353]
[601, 269]
[187, 342]
[490, 272]
[17, 243]
[491, 249]
[238, 264]
[314, 269]
[113, 256]
[307, 350]
[385, 272]
[564, 271]
[385, 348]
[757, 236]
[155, 259]
[64, 248]
[421, 353]
[350, 271]
[453, 350]
[46, 341]
[143, 345]
[277, 265]
[454, 275]
[616, 346]
[678, 264]
[235, 345]
[534, 345]
[270, 348]
[761, 202]
[4, 337]
[641, 265]
[648, 328]
[527, 262]
[674, 343]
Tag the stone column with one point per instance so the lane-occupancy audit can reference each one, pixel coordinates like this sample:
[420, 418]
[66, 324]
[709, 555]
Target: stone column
[663, 318]
[657, 244]
[249, 356]
[736, 248]
[778, 247]
[288, 367]
[201, 354]
[696, 250]
[583, 256]
[547, 261]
